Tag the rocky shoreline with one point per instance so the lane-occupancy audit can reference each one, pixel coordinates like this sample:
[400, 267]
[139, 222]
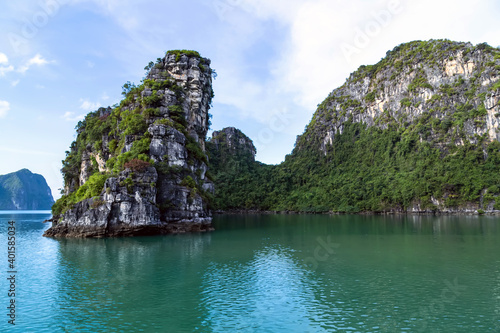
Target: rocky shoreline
[61, 230]
[394, 212]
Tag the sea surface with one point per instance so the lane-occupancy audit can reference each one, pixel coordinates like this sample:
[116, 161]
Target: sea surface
[271, 273]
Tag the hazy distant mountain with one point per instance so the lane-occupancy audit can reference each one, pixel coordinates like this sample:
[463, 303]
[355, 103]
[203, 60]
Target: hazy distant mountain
[24, 190]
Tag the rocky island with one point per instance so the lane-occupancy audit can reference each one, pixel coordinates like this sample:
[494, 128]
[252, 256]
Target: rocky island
[140, 168]
[418, 132]
[24, 190]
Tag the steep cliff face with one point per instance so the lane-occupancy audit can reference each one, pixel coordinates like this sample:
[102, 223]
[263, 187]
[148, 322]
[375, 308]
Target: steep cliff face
[140, 168]
[418, 131]
[24, 190]
[448, 84]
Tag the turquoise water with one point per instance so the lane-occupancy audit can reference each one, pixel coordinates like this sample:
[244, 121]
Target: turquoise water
[272, 273]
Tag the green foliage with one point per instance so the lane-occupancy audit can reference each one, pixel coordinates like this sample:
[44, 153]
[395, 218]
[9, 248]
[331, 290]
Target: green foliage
[405, 102]
[153, 100]
[370, 97]
[479, 112]
[139, 150]
[179, 53]
[128, 88]
[151, 112]
[133, 124]
[160, 84]
[420, 81]
[129, 183]
[195, 151]
[92, 187]
[62, 205]
[164, 121]
[495, 86]
[366, 169]
[179, 118]
[493, 189]
[112, 145]
[188, 182]
[149, 66]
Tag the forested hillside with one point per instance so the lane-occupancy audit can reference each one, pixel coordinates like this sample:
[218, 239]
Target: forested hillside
[417, 131]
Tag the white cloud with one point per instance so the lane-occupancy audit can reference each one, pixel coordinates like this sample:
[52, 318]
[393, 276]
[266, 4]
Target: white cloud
[105, 97]
[88, 105]
[4, 61]
[71, 116]
[15, 83]
[6, 69]
[304, 60]
[37, 60]
[313, 63]
[4, 108]
[3, 58]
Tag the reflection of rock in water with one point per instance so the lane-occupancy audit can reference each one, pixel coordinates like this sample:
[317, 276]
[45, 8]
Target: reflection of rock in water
[105, 278]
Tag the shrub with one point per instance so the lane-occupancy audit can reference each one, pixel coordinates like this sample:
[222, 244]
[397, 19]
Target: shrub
[96, 203]
[151, 112]
[189, 53]
[128, 88]
[195, 151]
[177, 114]
[137, 165]
[188, 182]
[133, 124]
[370, 97]
[92, 187]
[154, 99]
[493, 189]
[164, 121]
[405, 102]
[61, 205]
[129, 183]
[446, 124]
[112, 146]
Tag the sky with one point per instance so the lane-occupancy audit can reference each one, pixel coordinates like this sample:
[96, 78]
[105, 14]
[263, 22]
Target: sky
[276, 60]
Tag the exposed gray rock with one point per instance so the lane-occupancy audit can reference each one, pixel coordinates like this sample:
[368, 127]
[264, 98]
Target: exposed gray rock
[234, 140]
[396, 96]
[167, 196]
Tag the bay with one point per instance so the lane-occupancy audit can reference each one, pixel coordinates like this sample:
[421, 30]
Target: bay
[261, 273]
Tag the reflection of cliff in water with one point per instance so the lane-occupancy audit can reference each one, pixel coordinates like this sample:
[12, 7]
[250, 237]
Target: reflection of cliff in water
[363, 224]
[110, 280]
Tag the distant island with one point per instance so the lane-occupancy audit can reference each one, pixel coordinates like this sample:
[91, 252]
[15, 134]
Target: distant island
[24, 190]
